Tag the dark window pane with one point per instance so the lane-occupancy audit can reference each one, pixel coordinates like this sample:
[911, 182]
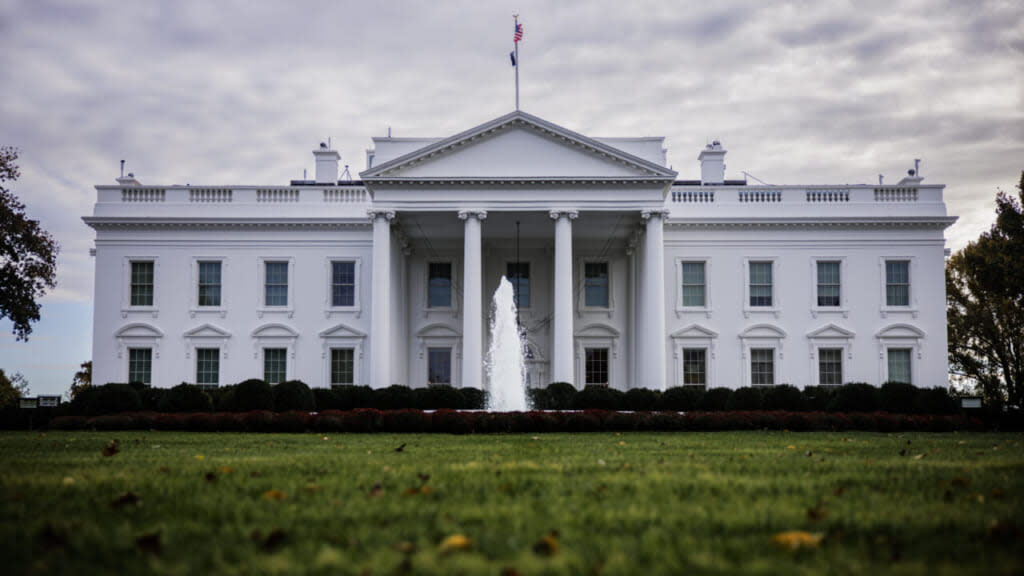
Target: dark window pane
[695, 366]
[519, 276]
[828, 284]
[207, 366]
[439, 366]
[760, 283]
[596, 366]
[275, 365]
[897, 283]
[439, 285]
[343, 283]
[342, 366]
[140, 365]
[209, 283]
[762, 366]
[276, 289]
[693, 284]
[899, 365]
[830, 366]
[142, 284]
[595, 284]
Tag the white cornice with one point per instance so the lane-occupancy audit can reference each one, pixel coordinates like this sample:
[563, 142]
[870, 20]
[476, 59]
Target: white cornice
[856, 222]
[506, 181]
[107, 223]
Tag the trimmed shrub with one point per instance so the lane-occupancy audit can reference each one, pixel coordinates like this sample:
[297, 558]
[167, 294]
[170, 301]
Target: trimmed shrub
[817, 398]
[394, 397]
[293, 395]
[598, 398]
[473, 398]
[225, 399]
[898, 397]
[716, 399]
[106, 399]
[252, 395]
[783, 397]
[186, 398]
[854, 397]
[218, 393]
[148, 395]
[642, 399]
[437, 397]
[538, 398]
[352, 397]
[560, 395]
[404, 421]
[325, 399]
[745, 398]
[292, 421]
[935, 401]
[682, 398]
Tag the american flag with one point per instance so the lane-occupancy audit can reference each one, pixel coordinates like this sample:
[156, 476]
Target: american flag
[519, 33]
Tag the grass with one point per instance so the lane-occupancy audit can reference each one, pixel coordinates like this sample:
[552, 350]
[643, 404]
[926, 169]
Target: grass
[635, 503]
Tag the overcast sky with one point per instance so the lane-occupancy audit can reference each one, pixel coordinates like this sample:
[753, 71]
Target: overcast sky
[240, 93]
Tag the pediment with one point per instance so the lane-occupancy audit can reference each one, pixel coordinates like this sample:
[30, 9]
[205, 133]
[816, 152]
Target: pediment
[207, 331]
[695, 331]
[139, 330]
[831, 331]
[341, 331]
[763, 331]
[900, 331]
[597, 331]
[437, 331]
[275, 330]
[518, 146]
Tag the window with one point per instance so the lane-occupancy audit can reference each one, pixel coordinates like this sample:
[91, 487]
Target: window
[439, 285]
[275, 365]
[897, 283]
[595, 366]
[208, 366]
[830, 366]
[762, 366]
[761, 284]
[276, 284]
[595, 284]
[695, 367]
[140, 365]
[828, 284]
[209, 283]
[694, 284]
[518, 273]
[899, 365]
[342, 366]
[439, 366]
[343, 283]
[142, 284]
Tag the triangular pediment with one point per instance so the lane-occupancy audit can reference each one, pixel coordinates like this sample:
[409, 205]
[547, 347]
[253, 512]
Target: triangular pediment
[831, 331]
[341, 331]
[695, 331]
[207, 331]
[518, 146]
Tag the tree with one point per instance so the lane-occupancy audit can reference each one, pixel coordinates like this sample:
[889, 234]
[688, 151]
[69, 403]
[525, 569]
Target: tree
[985, 305]
[82, 379]
[28, 255]
[12, 388]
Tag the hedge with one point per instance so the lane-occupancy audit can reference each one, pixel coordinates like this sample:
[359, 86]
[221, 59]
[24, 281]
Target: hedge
[363, 420]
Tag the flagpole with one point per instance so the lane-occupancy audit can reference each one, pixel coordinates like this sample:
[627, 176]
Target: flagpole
[516, 46]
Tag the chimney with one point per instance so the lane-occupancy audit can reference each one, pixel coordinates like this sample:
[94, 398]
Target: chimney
[913, 177]
[129, 180]
[326, 164]
[712, 164]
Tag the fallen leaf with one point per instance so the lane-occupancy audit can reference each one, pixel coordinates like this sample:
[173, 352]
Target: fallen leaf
[790, 447]
[273, 540]
[960, 481]
[600, 462]
[311, 487]
[275, 495]
[149, 543]
[126, 499]
[199, 457]
[418, 490]
[809, 454]
[455, 543]
[423, 477]
[211, 477]
[903, 452]
[839, 491]
[375, 490]
[163, 469]
[997, 493]
[919, 456]
[400, 448]
[405, 547]
[548, 545]
[68, 481]
[510, 571]
[819, 512]
[110, 449]
[226, 470]
[622, 442]
[797, 539]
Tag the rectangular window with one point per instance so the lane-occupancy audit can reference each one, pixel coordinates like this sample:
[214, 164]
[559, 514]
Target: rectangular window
[694, 284]
[595, 366]
[209, 284]
[342, 366]
[695, 371]
[276, 284]
[897, 283]
[828, 283]
[142, 284]
[140, 365]
[899, 365]
[343, 283]
[830, 366]
[595, 284]
[439, 366]
[275, 365]
[762, 367]
[760, 283]
[439, 285]
[208, 366]
[519, 275]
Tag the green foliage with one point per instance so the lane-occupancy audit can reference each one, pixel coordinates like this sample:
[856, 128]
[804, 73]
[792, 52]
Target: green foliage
[106, 399]
[642, 399]
[560, 395]
[393, 397]
[783, 397]
[12, 388]
[985, 305]
[253, 394]
[185, 398]
[325, 399]
[897, 397]
[598, 398]
[473, 398]
[715, 399]
[82, 379]
[855, 397]
[682, 398]
[818, 397]
[935, 401]
[28, 255]
[293, 395]
[745, 398]
[436, 397]
[350, 397]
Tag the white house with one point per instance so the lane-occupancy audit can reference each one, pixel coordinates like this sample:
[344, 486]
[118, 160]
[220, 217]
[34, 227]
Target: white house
[627, 275]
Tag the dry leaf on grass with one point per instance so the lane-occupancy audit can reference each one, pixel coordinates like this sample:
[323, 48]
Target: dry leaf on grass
[797, 539]
[127, 499]
[548, 545]
[110, 449]
[454, 543]
[273, 540]
[275, 495]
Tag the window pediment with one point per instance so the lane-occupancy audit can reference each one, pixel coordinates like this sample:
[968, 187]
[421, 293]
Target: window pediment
[597, 331]
[831, 331]
[341, 331]
[207, 331]
[139, 330]
[695, 331]
[900, 331]
[437, 331]
[275, 330]
[763, 331]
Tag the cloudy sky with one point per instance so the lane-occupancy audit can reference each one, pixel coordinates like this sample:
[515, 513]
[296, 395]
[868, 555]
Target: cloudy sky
[239, 92]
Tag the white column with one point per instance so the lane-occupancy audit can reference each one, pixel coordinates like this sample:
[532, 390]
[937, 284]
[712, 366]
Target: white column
[653, 321]
[562, 341]
[472, 304]
[380, 326]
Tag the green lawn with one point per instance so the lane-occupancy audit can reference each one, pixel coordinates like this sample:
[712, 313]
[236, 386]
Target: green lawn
[635, 503]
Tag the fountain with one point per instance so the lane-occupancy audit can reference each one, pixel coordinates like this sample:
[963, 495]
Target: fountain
[506, 374]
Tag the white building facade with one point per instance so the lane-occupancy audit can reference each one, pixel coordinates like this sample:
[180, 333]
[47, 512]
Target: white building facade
[627, 276]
